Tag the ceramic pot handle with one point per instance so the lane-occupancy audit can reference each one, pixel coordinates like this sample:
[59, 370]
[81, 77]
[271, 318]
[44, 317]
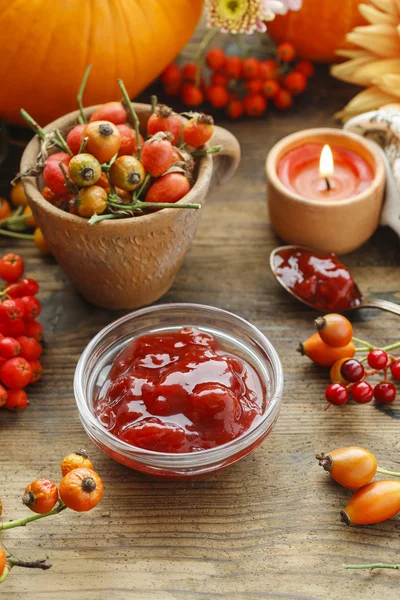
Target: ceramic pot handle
[227, 160]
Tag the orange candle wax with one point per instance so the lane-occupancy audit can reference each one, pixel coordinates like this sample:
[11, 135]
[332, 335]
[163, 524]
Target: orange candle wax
[300, 171]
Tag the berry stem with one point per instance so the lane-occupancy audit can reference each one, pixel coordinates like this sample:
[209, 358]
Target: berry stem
[97, 218]
[136, 193]
[391, 347]
[133, 114]
[83, 145]
[22, 522]
[13, 234]
[373, 566]
[143, 205]
[154, 102]
[386, 472]
[82, 118]
[367, 345]
[32, 124]
[204, 151]
[60, 142]
[70, 185]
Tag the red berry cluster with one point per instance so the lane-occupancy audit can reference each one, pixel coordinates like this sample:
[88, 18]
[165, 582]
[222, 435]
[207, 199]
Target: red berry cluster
[352, 377]
[20, 333]
[240, 86]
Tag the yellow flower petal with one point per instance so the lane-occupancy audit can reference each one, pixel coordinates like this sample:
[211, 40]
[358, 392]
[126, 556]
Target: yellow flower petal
[389, 83]
[352, 53]
[387, 6]
[349, 70]
[368, 73]
[380, 39]
[376, 16]
[367, 100]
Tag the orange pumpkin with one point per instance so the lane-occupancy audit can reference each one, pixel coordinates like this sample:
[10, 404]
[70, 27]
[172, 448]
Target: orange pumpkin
[318, 28]
[47, 44]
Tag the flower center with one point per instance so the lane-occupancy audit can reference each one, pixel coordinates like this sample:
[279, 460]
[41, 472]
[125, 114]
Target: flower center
[229, 9]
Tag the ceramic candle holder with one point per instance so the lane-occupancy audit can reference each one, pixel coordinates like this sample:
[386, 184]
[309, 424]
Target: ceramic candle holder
[126, 263]
[326, 225]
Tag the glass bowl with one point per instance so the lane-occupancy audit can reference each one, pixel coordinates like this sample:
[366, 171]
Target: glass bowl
[233, 334]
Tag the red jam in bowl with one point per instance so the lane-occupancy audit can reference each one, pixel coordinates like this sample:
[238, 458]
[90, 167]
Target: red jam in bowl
[319, 279]
[179, 392]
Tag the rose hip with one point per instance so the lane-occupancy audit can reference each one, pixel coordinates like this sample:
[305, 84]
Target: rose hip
[384, 392]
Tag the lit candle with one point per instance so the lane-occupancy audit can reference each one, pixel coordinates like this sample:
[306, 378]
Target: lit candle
[325, 189]
[318, 171]
[326, 165]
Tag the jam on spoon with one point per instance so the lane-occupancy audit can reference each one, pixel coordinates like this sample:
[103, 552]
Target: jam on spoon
[321, 280]
[179, 392]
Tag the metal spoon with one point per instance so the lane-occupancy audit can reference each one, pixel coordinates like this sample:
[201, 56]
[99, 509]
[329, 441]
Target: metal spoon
[391, 307]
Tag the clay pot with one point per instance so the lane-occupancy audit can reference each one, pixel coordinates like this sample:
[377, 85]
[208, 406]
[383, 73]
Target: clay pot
[325, 225]
[125, 263]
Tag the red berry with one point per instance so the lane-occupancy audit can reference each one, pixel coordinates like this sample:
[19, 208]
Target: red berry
[171, 75]
[251, 68]
[352, 370]
[110, 111]
[15, 373]
[190, 71]
[37, 370]
[219, 78]
[234, 110]
[30, 348]
[337, 394]
[384, 392]
[377, 359]
[215, 58]
[286, 51]
[233, 67]
[34, 329]
[14, 328]
[191, 95]
[254, 105]
[32, 307]
[396, 370]
[11, 310]
[3, 396]
[295, 82]
[306, 67]
[17, 400]
[269, 69]
[128, 140]
[9, 347]
[54, 178]
[362, 392]
[157, 156]
[59, 157]
[172, 89]
[163, 119]
[168, 188]
[74, 138]
[270, 88]
[217, 95]
[11, 267]
[283, 100]
[198, 130]
[253, 86]
[24, 287]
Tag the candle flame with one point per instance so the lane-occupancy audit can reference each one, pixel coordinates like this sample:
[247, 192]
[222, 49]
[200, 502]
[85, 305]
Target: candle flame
[326, 166]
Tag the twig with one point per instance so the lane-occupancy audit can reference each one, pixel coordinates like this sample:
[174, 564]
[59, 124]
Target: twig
[133, 114]
[82, 118]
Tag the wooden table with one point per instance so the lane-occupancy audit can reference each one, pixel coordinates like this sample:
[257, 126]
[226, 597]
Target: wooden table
[267, 527]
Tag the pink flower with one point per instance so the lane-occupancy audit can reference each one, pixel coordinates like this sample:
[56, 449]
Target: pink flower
[246, 16]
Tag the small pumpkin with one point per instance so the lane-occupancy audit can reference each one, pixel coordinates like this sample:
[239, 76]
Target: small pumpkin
[46, 46]
[318, 28]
